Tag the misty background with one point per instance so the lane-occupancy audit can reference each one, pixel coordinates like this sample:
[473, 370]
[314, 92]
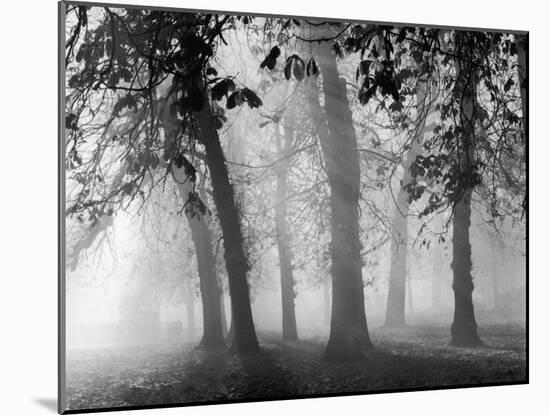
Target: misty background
[278, 184]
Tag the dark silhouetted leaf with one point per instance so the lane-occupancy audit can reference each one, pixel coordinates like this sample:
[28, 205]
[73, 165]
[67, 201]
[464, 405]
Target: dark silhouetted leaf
[288, 68]
[271, 59]
[222, 88]
[312, 67]
[364, 67]
[234, 100]
[338, 50]
[298, 68]
[249, 96]
[509, 83]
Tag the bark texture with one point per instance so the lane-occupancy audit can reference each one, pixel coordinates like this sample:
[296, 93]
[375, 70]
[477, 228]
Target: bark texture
[244, 339]
[349, 337]
[464, 326]
[211, 308]
[206, 263]
[290, 331]
[395, 307]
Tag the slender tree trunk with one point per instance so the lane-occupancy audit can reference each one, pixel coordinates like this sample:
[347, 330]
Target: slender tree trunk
[349, 337]
[244, 340]
[464, 326]
[222, 311]
[211, 307]
[395, 307]
[283, 238]
[202, 241]
[219, 282]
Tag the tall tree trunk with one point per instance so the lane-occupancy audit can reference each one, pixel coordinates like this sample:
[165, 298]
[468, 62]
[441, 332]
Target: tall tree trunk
[244, 340]
[349, 337]
[464, 326]
[211, 308]
[283, 237]
[395, 307]
[219, 282]
[222, 311]
[202, 241]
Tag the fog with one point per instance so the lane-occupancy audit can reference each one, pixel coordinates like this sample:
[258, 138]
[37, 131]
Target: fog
[97, 288]
[273, 184]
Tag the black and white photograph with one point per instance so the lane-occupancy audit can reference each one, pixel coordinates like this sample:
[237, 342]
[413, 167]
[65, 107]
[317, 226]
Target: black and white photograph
[266, 207]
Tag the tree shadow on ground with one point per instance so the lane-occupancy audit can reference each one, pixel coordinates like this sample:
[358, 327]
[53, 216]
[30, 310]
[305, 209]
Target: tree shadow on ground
[181, 374]
[202, 376]
[386, 369]
[265, 377]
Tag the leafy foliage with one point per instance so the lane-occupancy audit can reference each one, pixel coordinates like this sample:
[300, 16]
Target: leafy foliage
[130, 62]
[271, 59]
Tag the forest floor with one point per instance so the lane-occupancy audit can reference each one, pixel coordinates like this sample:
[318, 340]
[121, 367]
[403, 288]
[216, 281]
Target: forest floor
[415, 357]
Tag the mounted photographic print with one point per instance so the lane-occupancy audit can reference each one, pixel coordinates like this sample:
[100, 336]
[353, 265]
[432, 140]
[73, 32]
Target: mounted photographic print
[258, 207]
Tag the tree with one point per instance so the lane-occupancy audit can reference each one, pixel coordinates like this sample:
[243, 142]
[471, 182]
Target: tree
[470, 152]
[349, 337]
[244, 340]
[464, 326]
[196, 213]
[395, 308]
[283, 235]
[142, 51]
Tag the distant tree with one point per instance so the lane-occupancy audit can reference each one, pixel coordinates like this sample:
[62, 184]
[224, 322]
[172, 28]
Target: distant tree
[395, 309]
[284, 143]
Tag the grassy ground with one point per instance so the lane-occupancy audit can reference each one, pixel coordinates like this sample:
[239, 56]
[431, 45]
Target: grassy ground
[416, 357]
